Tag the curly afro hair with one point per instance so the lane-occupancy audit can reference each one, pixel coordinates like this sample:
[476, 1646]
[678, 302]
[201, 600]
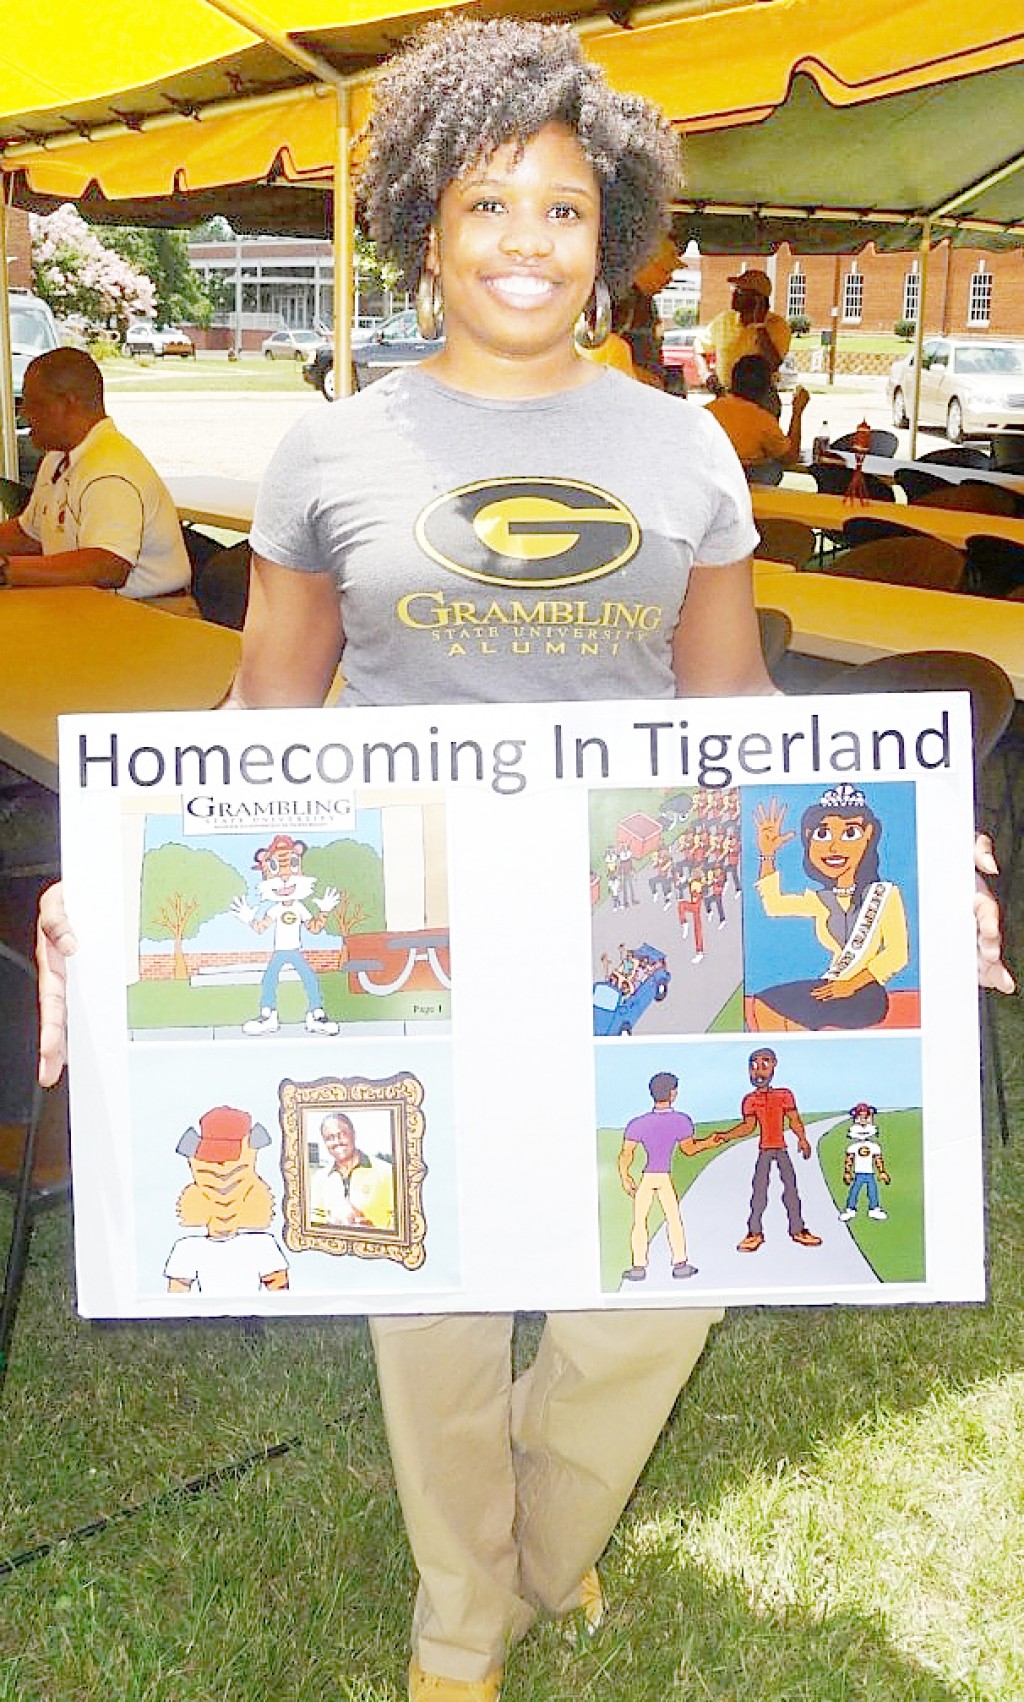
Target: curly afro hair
[462, 88]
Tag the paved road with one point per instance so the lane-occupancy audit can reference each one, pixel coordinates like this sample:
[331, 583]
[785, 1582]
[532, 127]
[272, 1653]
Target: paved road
[698, 990]
[233, 435]
[236, 434]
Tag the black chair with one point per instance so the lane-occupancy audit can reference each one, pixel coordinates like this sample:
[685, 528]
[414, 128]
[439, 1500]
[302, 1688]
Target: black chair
[34, 1164]
[973, 496]
[913, 483]
[199, 546]
[785, 540]
[29, 829]
[832, 479]
[869, 531]
[915, 559]
[995, 566]
[1008, 451]
[992, 707]
[776, 630]
[963, 455]
[882, 442]
[220, 585]
[991, 689]
[13, 497]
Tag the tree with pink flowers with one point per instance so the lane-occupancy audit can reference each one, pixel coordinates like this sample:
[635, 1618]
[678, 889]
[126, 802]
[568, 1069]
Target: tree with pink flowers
[77, 274]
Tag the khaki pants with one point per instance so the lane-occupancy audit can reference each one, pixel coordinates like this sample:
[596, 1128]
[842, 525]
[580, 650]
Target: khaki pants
[656, 1185]
[510, 1491]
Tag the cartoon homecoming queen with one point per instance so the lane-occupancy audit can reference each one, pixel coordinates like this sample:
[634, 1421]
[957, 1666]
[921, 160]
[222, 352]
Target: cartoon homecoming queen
[858, 917]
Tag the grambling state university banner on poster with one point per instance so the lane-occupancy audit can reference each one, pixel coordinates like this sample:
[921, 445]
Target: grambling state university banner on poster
[541, 1006]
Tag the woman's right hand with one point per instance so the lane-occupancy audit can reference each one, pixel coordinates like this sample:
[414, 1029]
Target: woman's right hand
[54, 943]
[768, 821]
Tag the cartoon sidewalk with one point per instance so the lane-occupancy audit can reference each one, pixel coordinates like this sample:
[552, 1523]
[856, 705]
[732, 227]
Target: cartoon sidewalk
[716, 1206]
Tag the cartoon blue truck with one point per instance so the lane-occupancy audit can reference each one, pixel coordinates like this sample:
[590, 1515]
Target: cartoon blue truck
[621, 1000]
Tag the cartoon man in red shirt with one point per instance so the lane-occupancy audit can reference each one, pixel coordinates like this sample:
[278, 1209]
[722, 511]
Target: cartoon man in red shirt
[771, 1110]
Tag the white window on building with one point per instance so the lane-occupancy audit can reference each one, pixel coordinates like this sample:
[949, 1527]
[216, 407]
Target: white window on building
[853, 297]
[796, 296]
[979, 302]
[911, 296]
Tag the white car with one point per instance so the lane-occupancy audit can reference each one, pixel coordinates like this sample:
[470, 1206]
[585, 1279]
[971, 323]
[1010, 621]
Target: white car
[144, 337]
[33, 332]
[970, 386]
[291, 344]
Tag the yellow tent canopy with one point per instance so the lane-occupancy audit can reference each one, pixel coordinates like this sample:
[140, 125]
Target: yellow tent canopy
[815, 121]
[175, 97]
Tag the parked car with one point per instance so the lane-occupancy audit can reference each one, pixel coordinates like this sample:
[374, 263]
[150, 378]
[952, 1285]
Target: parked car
[291, 343]
[680, 349]
[375, 352]
[145, 337]
[970, 386]
[33, 332]
[319, 371]
[787, 377]
[619, 1006]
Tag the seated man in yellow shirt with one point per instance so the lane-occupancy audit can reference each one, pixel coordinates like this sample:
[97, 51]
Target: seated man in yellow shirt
[99, 513]
[754, 432]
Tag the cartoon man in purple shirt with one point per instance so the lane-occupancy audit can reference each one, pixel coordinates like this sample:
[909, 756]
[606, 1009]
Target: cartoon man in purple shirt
[658, 1132]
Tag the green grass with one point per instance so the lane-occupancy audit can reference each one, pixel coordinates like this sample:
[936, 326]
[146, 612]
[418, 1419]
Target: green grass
[210, 370]
[894, 1249]
[835, 1512]
[862, 342]
[177, 1004]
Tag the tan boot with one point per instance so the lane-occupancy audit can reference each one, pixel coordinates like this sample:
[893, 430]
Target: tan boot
[591, 1604]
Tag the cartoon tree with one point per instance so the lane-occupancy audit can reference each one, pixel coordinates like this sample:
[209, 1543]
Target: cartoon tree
[182, 889]
[358, 873]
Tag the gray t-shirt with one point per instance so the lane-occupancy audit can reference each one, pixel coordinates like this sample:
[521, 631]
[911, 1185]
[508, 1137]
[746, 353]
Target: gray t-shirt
[494, 551]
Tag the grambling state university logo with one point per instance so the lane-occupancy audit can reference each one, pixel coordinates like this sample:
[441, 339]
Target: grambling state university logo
[527, 533]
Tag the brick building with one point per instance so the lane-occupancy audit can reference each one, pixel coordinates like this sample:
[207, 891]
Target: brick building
[290, 281]
[19, 269]
[968, 290]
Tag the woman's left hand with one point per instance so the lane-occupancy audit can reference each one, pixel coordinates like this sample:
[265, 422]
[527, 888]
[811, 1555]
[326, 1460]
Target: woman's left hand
[992, 971]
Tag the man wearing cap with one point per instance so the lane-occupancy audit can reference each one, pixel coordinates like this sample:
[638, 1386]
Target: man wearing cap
[748, 327]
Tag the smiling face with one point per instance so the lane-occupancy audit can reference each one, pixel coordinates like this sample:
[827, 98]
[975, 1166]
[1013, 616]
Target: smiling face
[340, 1141]
[281, 876]
[836, 848]
[762, 1068]
[516, 242]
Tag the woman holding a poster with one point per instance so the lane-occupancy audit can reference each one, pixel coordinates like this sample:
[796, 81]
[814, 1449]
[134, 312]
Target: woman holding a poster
[505, 521]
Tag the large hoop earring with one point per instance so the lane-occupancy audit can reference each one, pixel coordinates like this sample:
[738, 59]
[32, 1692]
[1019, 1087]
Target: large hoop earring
[595, 322]
[429, 305]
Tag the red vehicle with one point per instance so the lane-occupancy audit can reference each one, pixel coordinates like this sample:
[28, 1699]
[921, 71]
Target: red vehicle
[679, 349]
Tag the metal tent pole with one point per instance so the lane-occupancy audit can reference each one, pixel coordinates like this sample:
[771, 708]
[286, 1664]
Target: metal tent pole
[8, 430]
[925, 248]
[344, 244]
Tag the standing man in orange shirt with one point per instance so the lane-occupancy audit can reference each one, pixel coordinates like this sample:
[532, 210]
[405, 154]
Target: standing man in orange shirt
[771, 1110]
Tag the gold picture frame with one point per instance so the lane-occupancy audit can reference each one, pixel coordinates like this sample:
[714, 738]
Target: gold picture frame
[352, 1162]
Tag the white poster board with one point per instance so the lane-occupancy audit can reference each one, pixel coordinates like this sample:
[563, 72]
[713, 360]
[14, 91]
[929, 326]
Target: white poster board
[452, 1009]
